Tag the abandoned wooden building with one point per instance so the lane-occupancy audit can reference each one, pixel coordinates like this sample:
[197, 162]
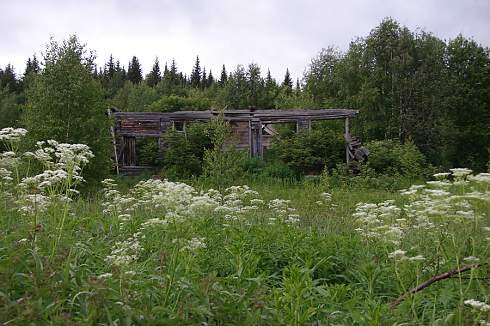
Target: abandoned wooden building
[251, 129]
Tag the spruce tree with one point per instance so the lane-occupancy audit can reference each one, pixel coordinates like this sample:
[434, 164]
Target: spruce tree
[109, 68]
[210, 81]
[268, 80]
[204, 78]
[255, 85]
[8, 79]
[32, 66]
[271, 90]
[223, 78]
[154, 77]
[196, 74]
[174, 76]
[134, 71]
[182, 79]
[288, 82]
[297, 90]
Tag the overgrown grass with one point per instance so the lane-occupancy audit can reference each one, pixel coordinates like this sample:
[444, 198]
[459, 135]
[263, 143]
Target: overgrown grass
[250, 270]
[278, 252]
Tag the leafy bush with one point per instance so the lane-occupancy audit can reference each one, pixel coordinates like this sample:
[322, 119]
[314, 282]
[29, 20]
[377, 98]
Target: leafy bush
[278, 169]
[222, 163]
[135, 97]
[388, 157]
[176, 103]
[184, 152]
[308, 152]
[149, 152]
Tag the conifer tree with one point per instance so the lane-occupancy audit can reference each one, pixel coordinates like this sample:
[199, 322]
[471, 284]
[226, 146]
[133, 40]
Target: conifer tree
[204, 78]
[95, 74]
[210, 81]
[288, 82]
[255, 85]
[297, 90]
[223, 78]
[182, 79]
[174, 77]
[8, 79]
[154, 77]
[32, 66]
[134, 71]
[268, 80]
[196, 74]
[271, 90]
[110, 68]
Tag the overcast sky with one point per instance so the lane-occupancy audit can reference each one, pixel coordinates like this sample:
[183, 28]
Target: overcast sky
[275, 34]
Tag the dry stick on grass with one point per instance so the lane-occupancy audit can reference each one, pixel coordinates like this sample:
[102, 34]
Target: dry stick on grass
[432, 280]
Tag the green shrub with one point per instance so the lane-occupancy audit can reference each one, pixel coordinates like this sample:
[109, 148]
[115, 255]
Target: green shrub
[176, 103]
[308, 152]
[222, 164]
[184, 153]
[388, 157]
[278, 169]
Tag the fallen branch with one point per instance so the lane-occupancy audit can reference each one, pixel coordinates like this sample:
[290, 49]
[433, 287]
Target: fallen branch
[432, 280]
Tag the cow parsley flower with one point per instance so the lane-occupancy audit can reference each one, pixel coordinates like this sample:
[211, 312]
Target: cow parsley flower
[194, 244]
[12, 134]
[477, 305]
[460, 172]
[398, 254]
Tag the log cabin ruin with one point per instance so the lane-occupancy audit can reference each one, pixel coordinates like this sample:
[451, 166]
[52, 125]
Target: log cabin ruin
[252, 130]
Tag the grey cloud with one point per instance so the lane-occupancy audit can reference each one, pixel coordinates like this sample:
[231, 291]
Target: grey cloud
[275, 34]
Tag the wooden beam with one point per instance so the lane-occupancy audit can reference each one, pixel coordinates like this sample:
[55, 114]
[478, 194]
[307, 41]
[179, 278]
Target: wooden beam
[113, 136]
[346, 136]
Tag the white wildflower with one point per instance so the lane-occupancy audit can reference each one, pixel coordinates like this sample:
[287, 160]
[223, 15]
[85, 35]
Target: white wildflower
[417, 258]
[442, 176]
[460, 172]
[194, 244]
[471, 259]
[478, 305]
[104, 276]
[397, 254]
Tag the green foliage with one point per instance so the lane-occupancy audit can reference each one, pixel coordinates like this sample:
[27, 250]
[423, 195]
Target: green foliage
[154, 77]
[388, 157]
[250, 271]
[10, 109]
[308, 152]
[184, 153]
[64, 103]
[469, 66]
[135, 74]
[222, 162]
[411, 86]
[149, 152]
[134, 97]
[173, 103]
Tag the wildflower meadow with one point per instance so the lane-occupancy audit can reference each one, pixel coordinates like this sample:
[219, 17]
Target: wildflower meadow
[157, 252]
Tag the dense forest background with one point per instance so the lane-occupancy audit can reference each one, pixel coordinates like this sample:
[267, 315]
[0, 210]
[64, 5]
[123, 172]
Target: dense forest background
[410, 87]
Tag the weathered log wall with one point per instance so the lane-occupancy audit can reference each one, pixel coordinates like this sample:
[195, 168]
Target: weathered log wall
[247, 127]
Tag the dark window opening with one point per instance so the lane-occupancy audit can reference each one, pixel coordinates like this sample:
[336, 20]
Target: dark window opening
[179, 126]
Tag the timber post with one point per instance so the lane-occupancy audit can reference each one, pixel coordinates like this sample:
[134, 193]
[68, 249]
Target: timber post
[114, 144]
[256, 141]
[347, 136]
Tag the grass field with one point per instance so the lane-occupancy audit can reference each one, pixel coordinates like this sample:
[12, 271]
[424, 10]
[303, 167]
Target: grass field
[275, 253]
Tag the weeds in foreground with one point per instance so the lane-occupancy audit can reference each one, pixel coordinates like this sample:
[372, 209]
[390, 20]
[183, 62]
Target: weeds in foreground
[167, 252]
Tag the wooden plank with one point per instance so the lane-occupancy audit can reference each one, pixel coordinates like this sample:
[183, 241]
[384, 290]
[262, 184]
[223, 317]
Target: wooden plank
[347, 135]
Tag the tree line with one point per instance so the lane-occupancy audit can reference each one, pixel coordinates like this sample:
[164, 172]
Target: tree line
[409, 86]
